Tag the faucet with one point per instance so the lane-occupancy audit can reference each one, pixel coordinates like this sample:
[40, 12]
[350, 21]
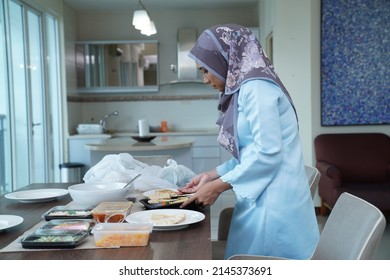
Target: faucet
[102, 121]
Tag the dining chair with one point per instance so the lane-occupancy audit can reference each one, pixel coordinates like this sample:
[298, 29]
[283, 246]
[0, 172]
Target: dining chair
[313, 176]
[353, 231]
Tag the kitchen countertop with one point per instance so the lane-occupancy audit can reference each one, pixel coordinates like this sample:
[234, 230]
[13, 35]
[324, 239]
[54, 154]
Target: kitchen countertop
[123, 134]
[127, 144]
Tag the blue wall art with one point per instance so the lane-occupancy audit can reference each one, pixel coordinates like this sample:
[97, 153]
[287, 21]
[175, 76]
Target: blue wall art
[355, 62]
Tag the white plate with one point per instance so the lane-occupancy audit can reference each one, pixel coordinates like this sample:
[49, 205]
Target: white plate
[39, 195]
[144, 216]
[9, 221]
[152, 192]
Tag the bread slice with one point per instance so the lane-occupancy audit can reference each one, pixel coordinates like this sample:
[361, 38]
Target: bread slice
[159, 219]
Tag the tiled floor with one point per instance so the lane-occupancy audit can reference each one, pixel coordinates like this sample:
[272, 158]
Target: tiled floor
[383, 252]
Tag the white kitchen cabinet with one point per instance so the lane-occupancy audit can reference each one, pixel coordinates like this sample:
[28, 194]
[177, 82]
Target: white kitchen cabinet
[78, 151]
[206, 155]
[225, 155]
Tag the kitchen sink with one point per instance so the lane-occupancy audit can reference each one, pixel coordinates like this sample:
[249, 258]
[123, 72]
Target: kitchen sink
[90, 129]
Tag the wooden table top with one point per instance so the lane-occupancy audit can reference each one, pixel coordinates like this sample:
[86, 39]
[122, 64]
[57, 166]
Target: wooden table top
[190, 243]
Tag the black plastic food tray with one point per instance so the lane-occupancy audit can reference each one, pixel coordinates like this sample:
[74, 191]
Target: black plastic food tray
[49, 217]
[71, 239]
[152, 206]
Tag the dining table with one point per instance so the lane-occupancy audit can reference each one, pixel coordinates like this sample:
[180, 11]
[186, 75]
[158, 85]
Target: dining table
[189, 243]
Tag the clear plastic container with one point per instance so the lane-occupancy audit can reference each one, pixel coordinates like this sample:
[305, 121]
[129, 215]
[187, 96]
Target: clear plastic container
[68, 224]
[113, 235]
[111, 211]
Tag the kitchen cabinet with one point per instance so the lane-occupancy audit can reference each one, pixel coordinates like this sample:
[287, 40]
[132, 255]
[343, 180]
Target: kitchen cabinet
[77, 150]
[206, 155]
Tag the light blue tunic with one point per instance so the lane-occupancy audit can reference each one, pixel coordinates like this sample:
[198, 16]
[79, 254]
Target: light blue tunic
[274, 213]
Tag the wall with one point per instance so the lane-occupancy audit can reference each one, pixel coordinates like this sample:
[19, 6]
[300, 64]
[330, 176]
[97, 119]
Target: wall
[74, 110]
[292, 60]
[267, 14]
[296, 29]
[297, 47]
[116, 25]
[180, 114]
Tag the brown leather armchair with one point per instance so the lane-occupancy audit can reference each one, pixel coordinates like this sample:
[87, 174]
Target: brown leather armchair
[357, 163]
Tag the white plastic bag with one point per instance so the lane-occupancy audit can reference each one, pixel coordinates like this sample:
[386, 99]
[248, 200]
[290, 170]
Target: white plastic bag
[114, 168]
[178, 175]
[122, 167]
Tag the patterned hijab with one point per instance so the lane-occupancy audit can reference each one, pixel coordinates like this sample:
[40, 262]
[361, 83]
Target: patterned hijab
[233, 54]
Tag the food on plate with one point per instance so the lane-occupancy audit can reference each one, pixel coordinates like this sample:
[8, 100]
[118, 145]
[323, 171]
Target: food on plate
[178, 200]
[166, 197]
[162, 194]
[159, 219]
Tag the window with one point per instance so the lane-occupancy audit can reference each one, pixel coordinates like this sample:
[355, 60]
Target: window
[30, 126]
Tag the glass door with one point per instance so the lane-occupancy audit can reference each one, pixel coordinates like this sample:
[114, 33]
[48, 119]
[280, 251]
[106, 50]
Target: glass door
[30, 107]
[36, 95]
[5, 145]
[19, 102]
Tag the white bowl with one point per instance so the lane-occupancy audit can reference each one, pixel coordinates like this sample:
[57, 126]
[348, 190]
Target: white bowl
[92, 194]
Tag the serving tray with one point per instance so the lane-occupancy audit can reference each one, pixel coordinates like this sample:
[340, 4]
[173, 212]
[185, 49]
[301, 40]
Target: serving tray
[153, 206]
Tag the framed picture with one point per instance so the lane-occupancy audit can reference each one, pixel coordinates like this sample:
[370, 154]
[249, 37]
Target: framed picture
[355, 62]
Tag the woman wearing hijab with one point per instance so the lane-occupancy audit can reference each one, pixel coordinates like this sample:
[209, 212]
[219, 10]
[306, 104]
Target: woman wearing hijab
[274, 213]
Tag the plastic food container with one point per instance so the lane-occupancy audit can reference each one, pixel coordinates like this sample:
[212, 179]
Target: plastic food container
[76, 225]
[67, 212]
[122, 234]
[111, 211]
[51, 238]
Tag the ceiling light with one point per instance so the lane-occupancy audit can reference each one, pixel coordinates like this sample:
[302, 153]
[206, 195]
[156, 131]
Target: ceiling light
[142, 21]
[149, 29]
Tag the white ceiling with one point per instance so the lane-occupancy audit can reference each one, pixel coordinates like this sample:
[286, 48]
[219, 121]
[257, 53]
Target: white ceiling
[156, 4]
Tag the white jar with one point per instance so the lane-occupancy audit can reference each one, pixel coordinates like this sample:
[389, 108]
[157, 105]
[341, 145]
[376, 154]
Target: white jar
[143, 128]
